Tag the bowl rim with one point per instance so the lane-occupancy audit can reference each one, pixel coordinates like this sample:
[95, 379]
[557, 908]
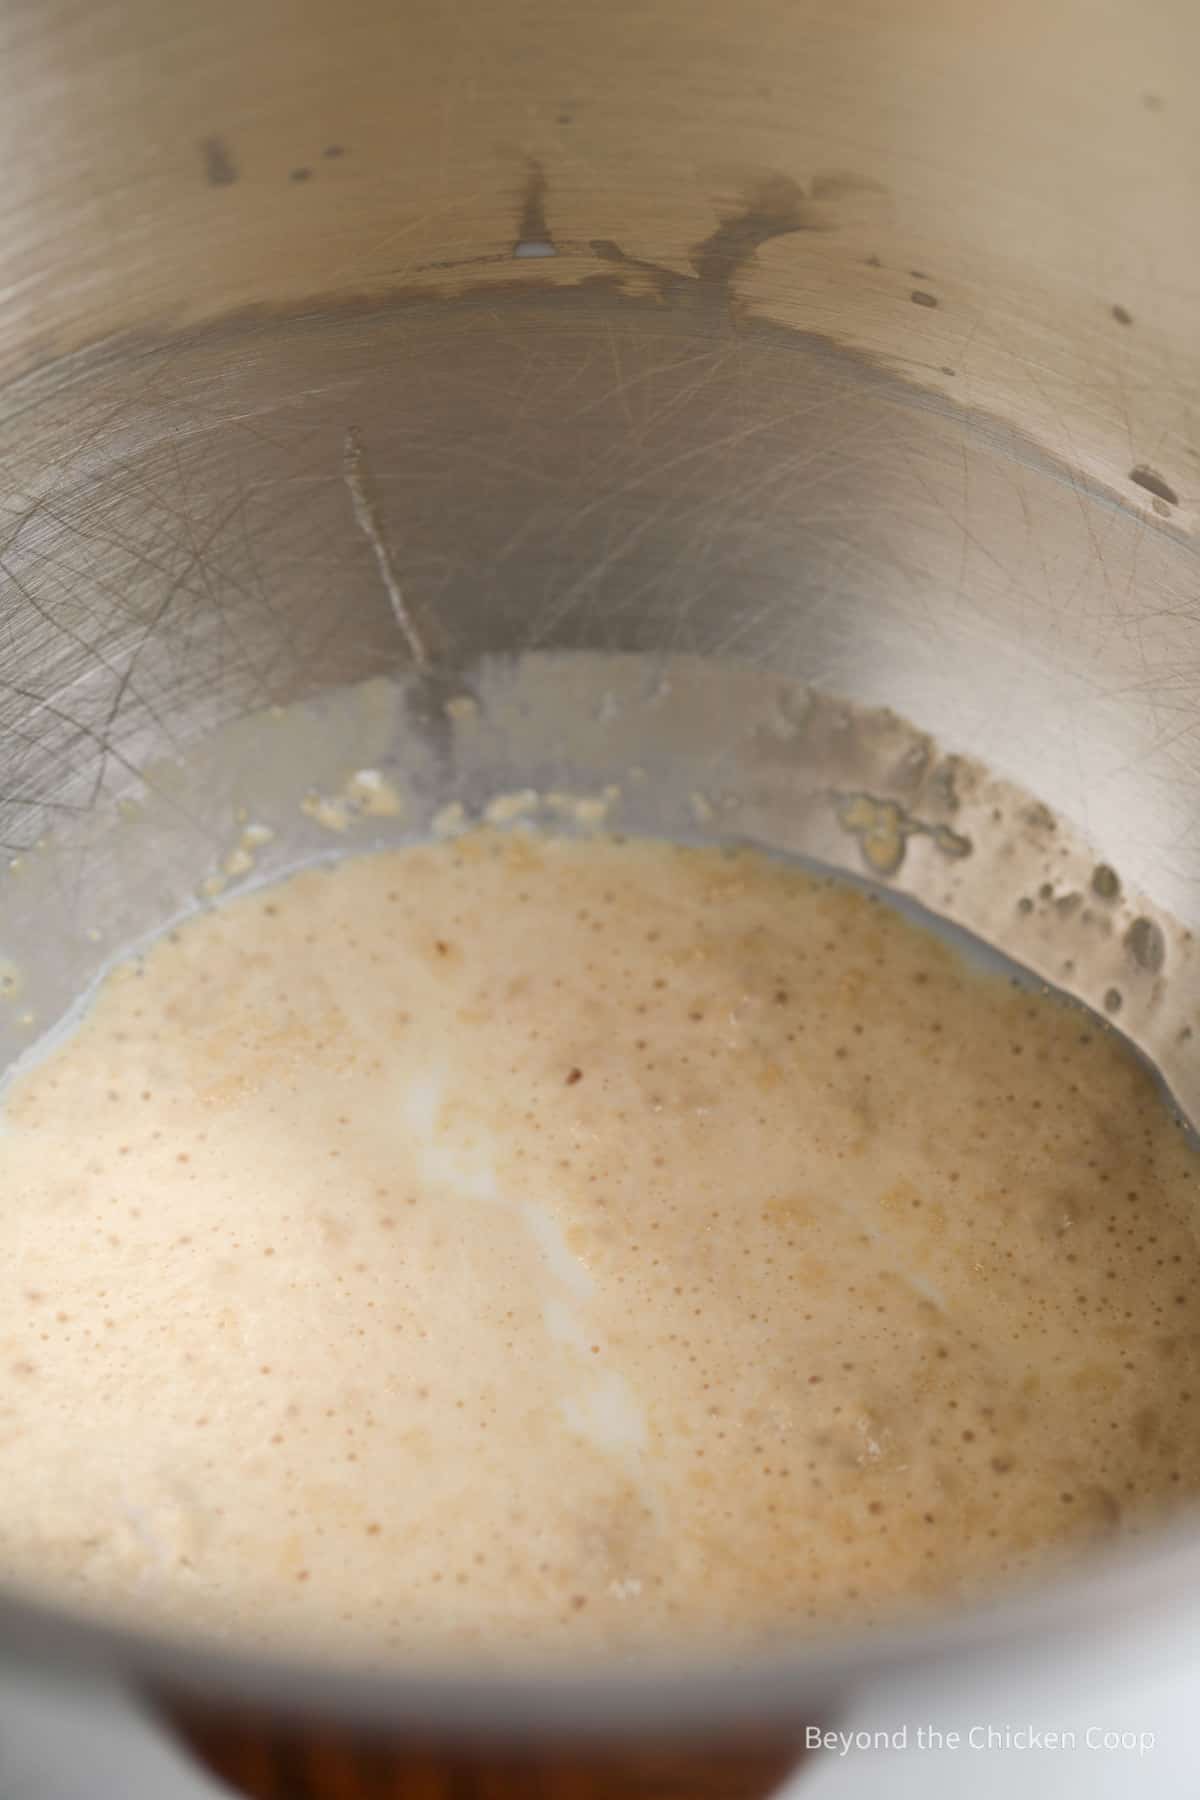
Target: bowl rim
[1114, 1595]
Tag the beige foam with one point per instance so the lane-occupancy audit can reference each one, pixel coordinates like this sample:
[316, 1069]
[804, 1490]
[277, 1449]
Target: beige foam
[518, 1242]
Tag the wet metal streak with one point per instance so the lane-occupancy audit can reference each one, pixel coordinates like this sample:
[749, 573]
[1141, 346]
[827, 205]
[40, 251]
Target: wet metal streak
[356, 475]
[220, 170]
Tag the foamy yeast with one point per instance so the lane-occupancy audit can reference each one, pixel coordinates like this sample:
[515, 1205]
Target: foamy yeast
[513, 1243]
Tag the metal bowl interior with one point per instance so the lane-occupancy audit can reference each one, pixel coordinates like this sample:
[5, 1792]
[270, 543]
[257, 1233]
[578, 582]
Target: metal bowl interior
[366, 366]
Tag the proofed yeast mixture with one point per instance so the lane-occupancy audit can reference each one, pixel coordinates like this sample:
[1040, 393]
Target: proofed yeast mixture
[520, 1242]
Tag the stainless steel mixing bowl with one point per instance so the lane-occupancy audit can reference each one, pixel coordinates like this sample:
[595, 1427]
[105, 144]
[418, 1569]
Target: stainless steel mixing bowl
[680, 385]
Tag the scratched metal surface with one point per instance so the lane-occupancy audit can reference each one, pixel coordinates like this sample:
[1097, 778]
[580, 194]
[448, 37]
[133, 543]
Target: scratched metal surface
[863, 349]
[579, 467]
[859, 351]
